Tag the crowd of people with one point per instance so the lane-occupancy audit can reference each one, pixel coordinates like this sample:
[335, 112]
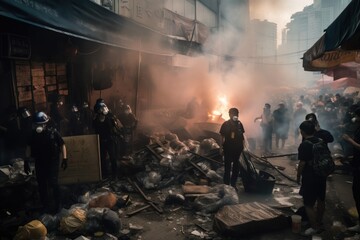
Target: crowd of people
[339, 118]
[333, 111]
[38, 138]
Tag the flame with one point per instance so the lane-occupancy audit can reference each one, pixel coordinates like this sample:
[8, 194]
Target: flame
[221, 109]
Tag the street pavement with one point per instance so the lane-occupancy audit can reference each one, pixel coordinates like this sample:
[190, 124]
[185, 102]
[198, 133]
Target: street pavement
[185, 224]
[181, 222]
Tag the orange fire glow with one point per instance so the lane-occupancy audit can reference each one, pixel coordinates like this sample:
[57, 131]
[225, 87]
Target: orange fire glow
[220, 111]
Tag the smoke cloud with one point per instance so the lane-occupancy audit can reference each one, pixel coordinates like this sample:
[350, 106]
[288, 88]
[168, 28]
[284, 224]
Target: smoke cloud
[226, 69]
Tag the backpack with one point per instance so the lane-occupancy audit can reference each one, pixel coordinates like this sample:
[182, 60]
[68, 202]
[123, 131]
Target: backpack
[323, 163]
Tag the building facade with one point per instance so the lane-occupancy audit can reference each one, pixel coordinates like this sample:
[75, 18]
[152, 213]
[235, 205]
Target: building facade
[304, 29]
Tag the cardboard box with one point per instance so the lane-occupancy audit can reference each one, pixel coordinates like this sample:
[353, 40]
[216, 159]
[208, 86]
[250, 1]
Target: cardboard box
[83, 154]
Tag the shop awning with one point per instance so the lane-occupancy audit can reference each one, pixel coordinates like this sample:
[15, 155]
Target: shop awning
[80, 18]
[340, 42]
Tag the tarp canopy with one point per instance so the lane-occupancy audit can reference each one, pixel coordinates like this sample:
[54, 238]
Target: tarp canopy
[79, 18]
[340, 42]
[341, 83]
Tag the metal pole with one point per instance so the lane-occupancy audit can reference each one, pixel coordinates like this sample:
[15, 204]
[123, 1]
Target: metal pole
[138, 79]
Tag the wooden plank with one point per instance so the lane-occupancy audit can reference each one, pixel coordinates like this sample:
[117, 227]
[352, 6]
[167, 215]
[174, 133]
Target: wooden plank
[84, 160]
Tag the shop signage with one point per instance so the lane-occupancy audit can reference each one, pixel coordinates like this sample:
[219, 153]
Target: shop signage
[15, 46]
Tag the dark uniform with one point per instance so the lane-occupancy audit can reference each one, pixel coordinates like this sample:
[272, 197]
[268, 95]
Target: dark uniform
[107, 127]
[75, 124]
[313, 187]
[45, 146]
[129, 122]
[233, 145]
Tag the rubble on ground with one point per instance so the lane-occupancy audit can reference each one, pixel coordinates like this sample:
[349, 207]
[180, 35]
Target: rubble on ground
[167, 177]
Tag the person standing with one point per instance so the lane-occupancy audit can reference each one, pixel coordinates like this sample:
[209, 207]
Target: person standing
[298, 117]
[232, 142]
[281, 124]
[107, 126]
[313, 187]
[45, 145]
[323, 134]
[75, 124]
[86, 116]
[58, 113]
[129, 122]
[355, 142]
[267, 129]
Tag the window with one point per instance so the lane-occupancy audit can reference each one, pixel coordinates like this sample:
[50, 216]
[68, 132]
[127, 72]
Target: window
[190, 9]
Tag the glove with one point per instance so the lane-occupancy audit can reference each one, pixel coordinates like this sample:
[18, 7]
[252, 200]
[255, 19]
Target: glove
[64, 164]
[27, 167]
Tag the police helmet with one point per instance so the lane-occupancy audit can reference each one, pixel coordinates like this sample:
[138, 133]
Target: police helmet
[41, 118]
[97, 104]
[101, 108]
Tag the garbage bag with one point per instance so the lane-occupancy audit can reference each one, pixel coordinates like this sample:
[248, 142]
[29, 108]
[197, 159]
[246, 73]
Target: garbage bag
[220, 196]
[32, 230]
[103, 200]
[73, 222]
[51, 222]
[102, 219]
[93, 220]
[111, 221]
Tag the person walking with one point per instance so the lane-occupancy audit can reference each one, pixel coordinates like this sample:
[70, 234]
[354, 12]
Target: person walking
[355, 142]
[313, 186]
[45, 146]
[232, 142]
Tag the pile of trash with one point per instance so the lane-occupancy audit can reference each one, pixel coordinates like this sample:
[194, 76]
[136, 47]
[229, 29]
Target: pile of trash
[166, 173]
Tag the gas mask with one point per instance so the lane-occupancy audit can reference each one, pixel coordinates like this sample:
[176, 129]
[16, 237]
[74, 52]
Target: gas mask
[104, 110]
[40, 128]
[235, 118]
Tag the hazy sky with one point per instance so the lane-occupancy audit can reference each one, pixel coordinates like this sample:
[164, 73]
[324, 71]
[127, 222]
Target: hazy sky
[277, 11]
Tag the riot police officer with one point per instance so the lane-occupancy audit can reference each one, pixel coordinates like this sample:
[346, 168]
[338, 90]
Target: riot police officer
[45, 146]
[75, 124]
[129, 122]
[108, 128]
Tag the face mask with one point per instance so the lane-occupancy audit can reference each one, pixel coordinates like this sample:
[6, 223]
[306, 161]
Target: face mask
[235, 118]
[39, 129]
[104, 110]
[353, 119]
